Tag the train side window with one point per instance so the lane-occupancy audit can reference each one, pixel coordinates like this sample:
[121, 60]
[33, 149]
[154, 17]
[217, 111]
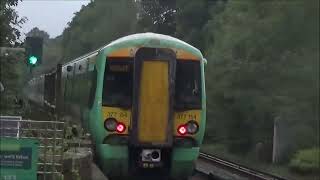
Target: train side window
[93, 79]
[188, 85]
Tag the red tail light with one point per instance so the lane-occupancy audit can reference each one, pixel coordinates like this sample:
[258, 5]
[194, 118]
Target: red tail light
[182, 130]
[120, 127]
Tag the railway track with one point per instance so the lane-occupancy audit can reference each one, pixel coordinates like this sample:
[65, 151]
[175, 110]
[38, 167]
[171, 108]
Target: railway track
[231, 167]
[237, 169]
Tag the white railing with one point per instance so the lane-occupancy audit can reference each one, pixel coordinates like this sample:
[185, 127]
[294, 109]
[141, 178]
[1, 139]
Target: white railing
[50, 135]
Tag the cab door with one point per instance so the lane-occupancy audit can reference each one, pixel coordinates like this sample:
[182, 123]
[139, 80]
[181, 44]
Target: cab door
[153, 96]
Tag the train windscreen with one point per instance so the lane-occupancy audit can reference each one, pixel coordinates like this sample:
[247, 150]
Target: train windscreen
[188, 85]
[117, 87]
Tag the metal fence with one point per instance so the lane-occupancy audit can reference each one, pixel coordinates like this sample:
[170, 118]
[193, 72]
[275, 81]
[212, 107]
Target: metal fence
[50, 135]
[10, 126]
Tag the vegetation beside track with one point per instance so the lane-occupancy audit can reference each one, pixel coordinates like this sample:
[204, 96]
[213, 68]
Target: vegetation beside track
[247, 160]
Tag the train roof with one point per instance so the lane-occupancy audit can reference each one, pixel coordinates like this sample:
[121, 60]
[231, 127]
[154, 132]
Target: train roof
[143, 40]
[152, 40]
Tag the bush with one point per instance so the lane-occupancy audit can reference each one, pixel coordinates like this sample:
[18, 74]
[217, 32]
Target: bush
[306, 161]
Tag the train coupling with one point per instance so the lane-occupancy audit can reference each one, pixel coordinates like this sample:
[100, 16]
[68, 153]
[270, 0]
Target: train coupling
[151, 155]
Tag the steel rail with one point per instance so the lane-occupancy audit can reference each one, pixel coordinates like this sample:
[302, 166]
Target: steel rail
[240, 169]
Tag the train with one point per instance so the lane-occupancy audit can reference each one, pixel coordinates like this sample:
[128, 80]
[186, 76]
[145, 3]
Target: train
[142, 99]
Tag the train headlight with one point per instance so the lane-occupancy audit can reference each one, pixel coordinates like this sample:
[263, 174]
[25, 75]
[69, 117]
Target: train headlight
[192, 127]
[110, 124]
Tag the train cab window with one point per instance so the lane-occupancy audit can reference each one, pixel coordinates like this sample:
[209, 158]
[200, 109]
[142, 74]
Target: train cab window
[117, 86]
[188, 85]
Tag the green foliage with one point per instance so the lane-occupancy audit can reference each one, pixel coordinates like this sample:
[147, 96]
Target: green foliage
[306, 161]
[9, 23]
[12, 75]
[97, 24]
[262, 65]
[157, 16]
[192, 16]
[11, 63]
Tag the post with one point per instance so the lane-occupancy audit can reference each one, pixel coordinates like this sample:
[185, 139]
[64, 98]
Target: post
[58, 91]
[275, 148]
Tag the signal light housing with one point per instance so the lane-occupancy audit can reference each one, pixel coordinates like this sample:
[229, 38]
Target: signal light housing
[33, 47]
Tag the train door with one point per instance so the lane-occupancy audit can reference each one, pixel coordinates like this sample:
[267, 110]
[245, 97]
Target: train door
[152, 111]
[153, 96]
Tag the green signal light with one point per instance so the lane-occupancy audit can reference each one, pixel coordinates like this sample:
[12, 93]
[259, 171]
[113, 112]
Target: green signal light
[33, 60]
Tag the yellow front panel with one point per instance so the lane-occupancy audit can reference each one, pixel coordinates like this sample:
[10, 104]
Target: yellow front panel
[154, 102]
[185, 116]
[185, 55]
[121, 115]
[124, 52]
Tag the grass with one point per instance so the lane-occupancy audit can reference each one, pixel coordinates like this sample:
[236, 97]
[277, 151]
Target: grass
[306, 161]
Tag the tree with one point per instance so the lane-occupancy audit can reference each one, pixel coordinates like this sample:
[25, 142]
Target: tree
[192, 16]
[38, 33]
[9, 23]
[96, 24]
[157, 16]
[12, 70]
[12, 75]
[262, 65]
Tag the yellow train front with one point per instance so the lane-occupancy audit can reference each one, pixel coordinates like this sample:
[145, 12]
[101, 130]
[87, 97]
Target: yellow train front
[152, 107]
